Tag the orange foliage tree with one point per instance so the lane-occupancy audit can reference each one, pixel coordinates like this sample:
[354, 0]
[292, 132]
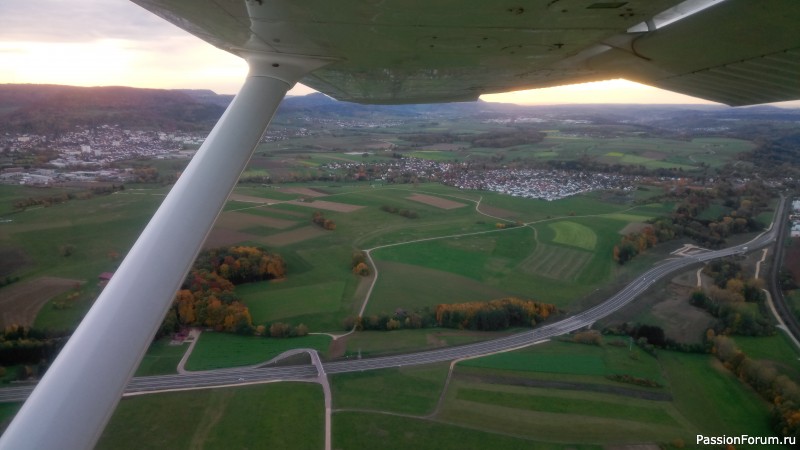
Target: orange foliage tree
[493, 315]
[208, 297]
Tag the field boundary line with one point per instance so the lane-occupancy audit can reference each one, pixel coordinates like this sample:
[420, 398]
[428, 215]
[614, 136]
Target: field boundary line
[453, 363]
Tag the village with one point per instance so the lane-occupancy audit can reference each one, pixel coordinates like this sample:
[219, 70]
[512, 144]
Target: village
[88, 154]
[795, 218]
[528, 183]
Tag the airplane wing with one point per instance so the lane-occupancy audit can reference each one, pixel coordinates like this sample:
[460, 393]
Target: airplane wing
[736, 52]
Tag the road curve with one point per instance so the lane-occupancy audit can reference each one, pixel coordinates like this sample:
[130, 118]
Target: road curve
[261, 373]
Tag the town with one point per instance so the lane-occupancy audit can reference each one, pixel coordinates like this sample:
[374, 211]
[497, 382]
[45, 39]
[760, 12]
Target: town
[89, 155]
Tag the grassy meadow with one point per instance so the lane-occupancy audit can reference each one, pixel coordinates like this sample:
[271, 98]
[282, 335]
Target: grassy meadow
[557, 395]
[243, 417]
[218, 350]
[558, 252]
[562, 382]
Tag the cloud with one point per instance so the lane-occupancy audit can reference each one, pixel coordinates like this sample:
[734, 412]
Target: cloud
[80, 21]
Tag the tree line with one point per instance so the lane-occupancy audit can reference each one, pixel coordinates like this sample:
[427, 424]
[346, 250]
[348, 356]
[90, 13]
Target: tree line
[407, 213]
[493, 315]
[30, 348]
[729, 300]
[782, 393]
[742, 205]
[358, 263]
[319, 219]
[507, 137]
[46, 201]
[498, 314]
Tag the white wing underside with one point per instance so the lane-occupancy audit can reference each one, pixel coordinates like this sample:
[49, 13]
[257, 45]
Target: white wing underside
[736, 52]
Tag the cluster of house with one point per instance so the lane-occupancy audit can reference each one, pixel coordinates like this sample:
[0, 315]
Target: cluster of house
[85, 154]
[542, 184]
[278, 133]
[529, 183]
[418, 168]
[350, 122]
[795, 218]
[46, 177]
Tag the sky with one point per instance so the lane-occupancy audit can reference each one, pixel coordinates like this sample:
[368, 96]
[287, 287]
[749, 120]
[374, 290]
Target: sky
[117, 43]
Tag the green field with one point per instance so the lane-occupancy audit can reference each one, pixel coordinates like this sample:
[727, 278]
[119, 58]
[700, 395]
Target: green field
[556, 395]
[559, 382]
[270, 305]
[777, 349]
[361, 431]
[280, 415]
[407, 390]
[161, 358]
[373, 343]
[653, 153]
[217, 350]
[470, 259]
[43, 232]
[574, 234]
[581, 404]
[568, 358]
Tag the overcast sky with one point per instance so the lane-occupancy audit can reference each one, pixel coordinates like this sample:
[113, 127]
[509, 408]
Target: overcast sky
[115, 42]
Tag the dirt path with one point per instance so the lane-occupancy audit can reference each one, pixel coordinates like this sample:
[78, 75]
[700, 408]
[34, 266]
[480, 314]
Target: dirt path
[475, 233]
[220, 398]
[21, 301]
[194, 336]
[338, 346]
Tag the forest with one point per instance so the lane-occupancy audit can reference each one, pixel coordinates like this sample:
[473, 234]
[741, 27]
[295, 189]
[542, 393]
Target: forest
[494, 315]
[692, 217]
[208, 296]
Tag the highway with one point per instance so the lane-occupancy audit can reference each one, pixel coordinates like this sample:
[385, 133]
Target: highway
[260, 373]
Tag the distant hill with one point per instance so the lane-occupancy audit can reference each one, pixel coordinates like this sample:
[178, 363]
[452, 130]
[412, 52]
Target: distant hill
[320, 105]
[51, 109]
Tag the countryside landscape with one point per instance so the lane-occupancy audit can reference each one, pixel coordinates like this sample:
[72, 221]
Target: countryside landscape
[359, 233]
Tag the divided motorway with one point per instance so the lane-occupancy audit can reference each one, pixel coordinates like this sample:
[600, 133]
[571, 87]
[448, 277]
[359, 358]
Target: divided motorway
[260, 374]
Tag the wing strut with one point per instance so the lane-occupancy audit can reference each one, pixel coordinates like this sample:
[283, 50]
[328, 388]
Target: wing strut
[79, 392]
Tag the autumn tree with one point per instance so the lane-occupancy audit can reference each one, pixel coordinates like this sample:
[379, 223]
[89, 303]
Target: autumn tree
[320, 220]
[493, 315]
[185, 303]
[279, 330]
[361, 269]
[592, 337]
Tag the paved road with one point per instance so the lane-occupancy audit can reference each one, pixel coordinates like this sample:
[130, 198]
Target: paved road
[255, 374]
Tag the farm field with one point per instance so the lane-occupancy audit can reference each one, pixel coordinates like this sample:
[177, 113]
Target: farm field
[409, 390]
[161, 358]
[217, 350]
[359, 430]
[450, 246]
[220, 419]
[557, 382]
[648, 151]
[559, 256]
[63, 240]
[374, 343]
